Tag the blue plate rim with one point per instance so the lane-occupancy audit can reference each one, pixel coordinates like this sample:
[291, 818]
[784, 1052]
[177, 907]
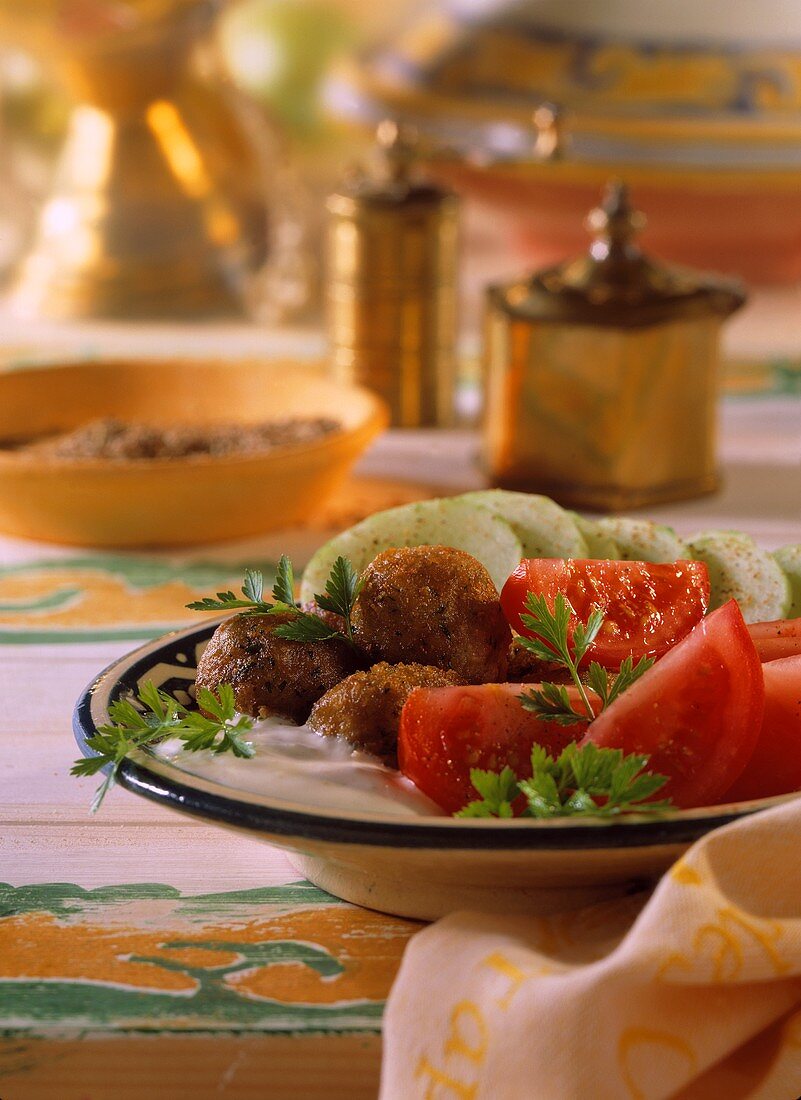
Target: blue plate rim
[676, 829]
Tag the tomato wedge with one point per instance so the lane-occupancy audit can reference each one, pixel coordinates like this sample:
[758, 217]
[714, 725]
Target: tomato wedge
[647, 606]
[444, 732]
[696, 714]
[777, 639]
[775, 766]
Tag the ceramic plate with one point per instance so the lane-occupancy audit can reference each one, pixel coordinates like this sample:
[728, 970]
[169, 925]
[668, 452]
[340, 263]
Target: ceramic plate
[408, 863]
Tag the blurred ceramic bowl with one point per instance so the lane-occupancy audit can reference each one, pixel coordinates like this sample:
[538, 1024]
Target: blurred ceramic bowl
[177, 501]
[696, 105]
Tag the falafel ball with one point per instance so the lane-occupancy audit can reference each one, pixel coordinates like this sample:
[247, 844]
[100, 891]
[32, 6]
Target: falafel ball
[272, 675]
[365, 708]
[433, 605]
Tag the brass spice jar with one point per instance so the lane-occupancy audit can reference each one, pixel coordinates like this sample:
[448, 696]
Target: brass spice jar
[392, 286]
[602, 373]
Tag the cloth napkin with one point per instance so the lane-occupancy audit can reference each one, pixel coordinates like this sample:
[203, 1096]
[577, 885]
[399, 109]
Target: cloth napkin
[691, 993]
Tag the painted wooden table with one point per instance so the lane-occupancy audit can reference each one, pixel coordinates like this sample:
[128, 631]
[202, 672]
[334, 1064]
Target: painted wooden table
[143, 953]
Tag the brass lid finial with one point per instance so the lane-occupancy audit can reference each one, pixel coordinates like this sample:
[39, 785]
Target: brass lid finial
[397, 143]
[549, 127]
[393, 174]
[615, 223]
[615, 283]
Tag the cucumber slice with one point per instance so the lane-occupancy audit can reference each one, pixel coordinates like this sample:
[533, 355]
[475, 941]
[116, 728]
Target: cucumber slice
[789, 559]
[599, 544]
[739, 568]
[545, 530]
[642, 540]
[446, 522]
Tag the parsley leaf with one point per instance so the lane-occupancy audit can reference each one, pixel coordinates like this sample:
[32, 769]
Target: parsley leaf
[284, 587]
[626, 676]
[158, 717]
[341, 590]
[553, 702]
[222, 732]
[307, 628]
[253, 588]
[253, 602]
[553, 643]
[583, 781]
[497, 790]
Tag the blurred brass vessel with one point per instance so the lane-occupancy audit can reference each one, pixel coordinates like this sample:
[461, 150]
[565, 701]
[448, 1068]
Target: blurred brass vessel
[697, 104]
[602, 374]
[157, 207]
[392, 289]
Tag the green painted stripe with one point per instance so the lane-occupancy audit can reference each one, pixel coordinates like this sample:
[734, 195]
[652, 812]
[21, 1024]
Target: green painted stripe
[293, 893]
[65, 898]
[211, 1002]
[213, 1007]
[61, 898]
[141, 572]
[75, 637]
[60, 598]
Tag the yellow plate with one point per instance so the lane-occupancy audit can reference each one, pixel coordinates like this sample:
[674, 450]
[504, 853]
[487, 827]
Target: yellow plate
[174, 502]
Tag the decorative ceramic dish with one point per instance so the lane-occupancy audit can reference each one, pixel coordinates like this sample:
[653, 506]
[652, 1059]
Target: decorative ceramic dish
[174, 501]
[700, 114]
[411, 862]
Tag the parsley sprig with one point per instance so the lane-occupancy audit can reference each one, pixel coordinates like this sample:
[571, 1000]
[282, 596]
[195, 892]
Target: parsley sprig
[583, 781]
[554, 644]
[158, 717]
[341, 590]
[252, 591]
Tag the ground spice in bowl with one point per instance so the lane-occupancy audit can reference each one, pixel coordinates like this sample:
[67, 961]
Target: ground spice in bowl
[120, 440]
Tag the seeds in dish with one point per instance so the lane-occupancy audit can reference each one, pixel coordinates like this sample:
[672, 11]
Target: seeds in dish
[121, 440]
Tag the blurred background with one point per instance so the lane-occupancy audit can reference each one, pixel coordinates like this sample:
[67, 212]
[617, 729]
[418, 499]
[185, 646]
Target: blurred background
[133, 130]
[344, 180]
[201, 126]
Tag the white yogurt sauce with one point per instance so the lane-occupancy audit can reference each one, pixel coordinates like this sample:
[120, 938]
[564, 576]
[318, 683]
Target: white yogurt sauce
[295, 764]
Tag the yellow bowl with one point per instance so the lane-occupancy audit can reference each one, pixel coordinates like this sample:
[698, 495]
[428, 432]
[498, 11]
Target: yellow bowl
[174, 502]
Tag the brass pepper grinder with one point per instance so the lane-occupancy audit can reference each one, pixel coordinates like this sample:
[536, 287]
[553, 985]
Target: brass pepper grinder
[392, 285]
[602, 373]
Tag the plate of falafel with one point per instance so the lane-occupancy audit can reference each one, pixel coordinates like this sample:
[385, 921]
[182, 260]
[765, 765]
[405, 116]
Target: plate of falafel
[399, 616]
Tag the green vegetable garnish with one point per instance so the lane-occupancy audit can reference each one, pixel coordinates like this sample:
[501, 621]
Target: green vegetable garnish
[554, 645]
[160, 717]
[252, 590]
[341, 589]
[583, 781]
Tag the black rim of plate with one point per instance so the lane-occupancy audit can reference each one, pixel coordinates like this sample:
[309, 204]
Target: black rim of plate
[280, 822]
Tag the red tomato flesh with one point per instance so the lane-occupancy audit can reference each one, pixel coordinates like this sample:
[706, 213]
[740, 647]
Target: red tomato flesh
[775, 766]
[696, 714]
[777, 639]
[647, 606]
[444, 732]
